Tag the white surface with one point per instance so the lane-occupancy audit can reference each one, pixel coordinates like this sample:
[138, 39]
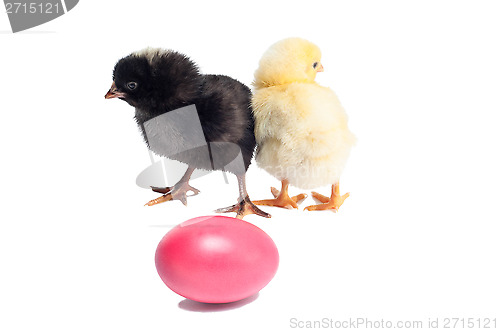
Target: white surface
[417, 239]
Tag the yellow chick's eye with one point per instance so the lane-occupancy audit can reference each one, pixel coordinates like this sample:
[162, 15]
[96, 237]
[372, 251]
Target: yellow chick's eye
[315, 65]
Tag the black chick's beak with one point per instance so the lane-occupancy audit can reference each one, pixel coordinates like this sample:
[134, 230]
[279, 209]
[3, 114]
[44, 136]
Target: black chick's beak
[114, 93]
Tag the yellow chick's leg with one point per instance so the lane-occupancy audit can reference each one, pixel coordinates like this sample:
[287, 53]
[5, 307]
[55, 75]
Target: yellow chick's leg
[332, 203]
[281, 198]
[178, 191]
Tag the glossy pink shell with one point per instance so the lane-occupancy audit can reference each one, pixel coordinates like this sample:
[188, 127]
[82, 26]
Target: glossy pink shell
[216, 259]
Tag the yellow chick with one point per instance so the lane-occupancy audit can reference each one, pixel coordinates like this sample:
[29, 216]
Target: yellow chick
[300, 126]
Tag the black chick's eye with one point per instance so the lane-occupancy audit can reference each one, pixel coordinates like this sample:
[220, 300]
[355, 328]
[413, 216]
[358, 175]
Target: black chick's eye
[132, 85]
[315, 65]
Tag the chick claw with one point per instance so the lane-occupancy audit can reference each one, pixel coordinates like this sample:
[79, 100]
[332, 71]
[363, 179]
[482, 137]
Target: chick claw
[328, 203]
[171, 193]
[161, 199]
[282, 200]
[166, 190]
[295, 199]
[162, 190]
[243, 208]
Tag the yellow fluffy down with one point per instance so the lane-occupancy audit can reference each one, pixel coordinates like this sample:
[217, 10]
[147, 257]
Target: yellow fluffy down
[302, 133]
[276, 69]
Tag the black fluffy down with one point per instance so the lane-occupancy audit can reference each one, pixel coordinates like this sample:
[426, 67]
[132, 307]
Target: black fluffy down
[167, 80]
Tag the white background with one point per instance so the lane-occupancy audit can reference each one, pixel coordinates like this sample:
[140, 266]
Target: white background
[417, 239]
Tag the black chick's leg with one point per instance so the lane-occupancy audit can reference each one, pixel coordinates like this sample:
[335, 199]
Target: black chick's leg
[244, 205]
[178, 191]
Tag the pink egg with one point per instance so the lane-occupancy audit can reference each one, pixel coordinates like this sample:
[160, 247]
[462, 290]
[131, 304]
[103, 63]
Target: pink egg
[216, 259]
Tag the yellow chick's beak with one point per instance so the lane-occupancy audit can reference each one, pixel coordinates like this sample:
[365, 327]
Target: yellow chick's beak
[320, 68]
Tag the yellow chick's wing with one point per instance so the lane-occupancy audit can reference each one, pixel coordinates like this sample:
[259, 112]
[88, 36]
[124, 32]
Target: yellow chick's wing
[302, 133]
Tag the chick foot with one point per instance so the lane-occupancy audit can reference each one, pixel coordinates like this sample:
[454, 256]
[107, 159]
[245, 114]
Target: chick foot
[166, 190]
[244, 207]
[177, 192]
[328, 203]
[281, 198]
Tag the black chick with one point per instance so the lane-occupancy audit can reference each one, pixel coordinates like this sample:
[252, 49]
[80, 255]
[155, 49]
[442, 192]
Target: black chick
[157, 82]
